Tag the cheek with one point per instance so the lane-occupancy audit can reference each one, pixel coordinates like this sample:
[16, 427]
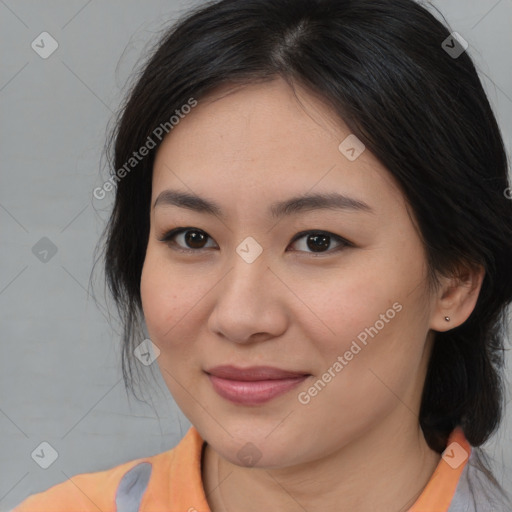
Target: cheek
[171, 301]
[375, 310]
[155, 299]
[163, 296]
[377, 351]
[168, 299]
[341, 307]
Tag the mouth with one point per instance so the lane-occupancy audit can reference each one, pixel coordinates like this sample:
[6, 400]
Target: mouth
[254, 385]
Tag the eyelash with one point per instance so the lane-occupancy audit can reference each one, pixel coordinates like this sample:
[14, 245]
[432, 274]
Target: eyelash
[167, 239]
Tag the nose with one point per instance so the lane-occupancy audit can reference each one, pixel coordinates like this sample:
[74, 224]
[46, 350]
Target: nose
[249, 303]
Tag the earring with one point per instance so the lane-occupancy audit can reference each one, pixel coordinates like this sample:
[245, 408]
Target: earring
[447, 318]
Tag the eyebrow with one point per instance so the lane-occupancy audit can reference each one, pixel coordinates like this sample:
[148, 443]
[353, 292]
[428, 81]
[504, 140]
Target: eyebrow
[294, 205]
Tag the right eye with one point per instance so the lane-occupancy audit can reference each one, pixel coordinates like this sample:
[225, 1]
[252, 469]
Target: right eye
[192, 239]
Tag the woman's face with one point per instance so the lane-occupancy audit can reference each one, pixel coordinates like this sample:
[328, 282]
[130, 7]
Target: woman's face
[348, 316]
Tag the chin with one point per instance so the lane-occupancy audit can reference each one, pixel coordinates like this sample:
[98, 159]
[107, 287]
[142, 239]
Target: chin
[250, 448]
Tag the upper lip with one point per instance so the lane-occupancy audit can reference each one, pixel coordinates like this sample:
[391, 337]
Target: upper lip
[253, 373]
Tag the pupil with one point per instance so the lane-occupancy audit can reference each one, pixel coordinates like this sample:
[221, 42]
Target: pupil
[194, 237]
[318, 242]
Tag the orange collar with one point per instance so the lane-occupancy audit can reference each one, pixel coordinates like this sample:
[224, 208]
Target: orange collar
[439, 492]
[186, 490]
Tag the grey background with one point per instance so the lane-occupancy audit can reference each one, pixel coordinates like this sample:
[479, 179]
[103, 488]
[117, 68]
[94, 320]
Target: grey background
[60, 379]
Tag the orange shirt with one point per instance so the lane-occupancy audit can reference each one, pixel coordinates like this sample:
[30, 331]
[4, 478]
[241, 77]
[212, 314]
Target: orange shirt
[171, 482]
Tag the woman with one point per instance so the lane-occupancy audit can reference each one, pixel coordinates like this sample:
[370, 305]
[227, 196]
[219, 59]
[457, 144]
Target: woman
[311, 221]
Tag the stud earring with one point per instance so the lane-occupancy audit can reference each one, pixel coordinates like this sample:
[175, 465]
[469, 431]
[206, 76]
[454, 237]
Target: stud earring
[447, 318]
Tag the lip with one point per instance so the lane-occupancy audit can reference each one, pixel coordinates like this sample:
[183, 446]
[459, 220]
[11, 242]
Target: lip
[253, 373]
[254, 385]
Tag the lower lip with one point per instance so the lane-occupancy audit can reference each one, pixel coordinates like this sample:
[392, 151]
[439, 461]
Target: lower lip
[253, 392]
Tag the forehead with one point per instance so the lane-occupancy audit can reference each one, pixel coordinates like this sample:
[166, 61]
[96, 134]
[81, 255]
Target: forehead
[265, 142]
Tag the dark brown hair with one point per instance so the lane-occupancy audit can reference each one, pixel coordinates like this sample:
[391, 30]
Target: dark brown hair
[422, 112]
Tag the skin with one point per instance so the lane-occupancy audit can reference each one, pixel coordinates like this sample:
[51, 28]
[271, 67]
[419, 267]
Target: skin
[294, 308]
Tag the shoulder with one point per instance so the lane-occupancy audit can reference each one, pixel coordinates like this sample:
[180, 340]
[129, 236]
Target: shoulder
[123, 487]
[92, 491]
[478, 490]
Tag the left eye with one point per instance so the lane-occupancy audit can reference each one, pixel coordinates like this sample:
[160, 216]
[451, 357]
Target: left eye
[316, 241]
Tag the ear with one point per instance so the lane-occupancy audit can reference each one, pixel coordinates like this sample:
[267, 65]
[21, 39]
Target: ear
[456, 298]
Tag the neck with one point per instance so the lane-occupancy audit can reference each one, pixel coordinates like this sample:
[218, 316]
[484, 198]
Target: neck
[385, 468]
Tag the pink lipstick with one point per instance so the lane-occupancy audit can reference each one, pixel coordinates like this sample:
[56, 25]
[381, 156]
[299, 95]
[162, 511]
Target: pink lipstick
[254, 385]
